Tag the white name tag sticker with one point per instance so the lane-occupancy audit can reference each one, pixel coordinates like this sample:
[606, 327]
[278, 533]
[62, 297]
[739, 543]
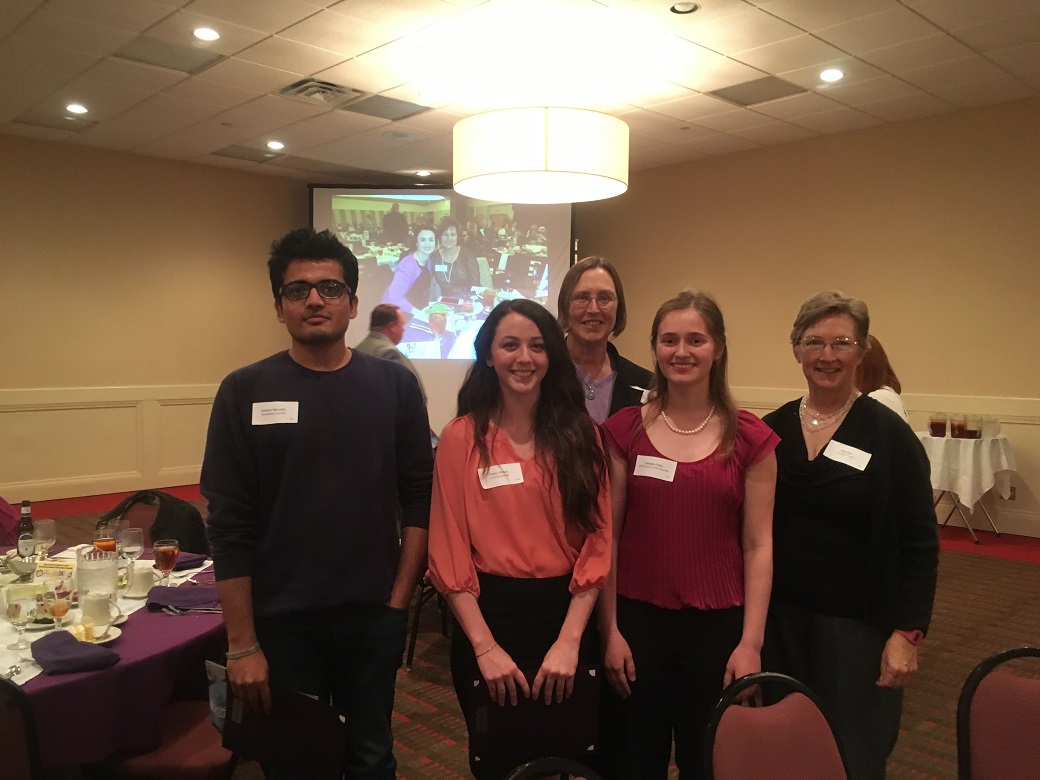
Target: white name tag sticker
[847, 454]
[441, 268]
[276, 412]
[655, 468]
[499, 475]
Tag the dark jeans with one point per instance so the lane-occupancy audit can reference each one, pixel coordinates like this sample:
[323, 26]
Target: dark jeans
[350, 655]
[840, 660]
[680, 658]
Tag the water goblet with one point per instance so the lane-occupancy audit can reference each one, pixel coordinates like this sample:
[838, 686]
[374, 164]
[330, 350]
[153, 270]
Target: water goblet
[20, 610]
[166, 552]
[46, 535]
[131, 543]
[57, 600]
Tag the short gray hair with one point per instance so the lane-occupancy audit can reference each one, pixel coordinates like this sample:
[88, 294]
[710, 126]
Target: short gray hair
[829, 304]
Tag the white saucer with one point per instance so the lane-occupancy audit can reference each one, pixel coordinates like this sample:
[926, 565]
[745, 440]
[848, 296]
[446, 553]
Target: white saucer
[113, 634]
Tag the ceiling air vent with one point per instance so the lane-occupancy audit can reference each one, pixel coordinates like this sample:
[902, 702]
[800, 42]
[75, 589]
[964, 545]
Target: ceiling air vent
[323, 93]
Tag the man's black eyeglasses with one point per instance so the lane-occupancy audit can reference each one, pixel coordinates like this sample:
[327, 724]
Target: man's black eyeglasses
[329, 289]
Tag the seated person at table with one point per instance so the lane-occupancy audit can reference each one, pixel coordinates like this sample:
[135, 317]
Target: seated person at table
[385, 331]
[313, 457]
[410, 288]
[455, 270]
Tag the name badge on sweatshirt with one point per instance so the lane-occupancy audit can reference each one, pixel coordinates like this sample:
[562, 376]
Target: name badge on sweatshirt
[276, 412]
[499, 475]
[847, 454]
[655, 468]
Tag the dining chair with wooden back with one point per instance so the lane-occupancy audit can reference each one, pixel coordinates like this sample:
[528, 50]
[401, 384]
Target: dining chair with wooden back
[19, 754]
[998, 714]
[790, 739]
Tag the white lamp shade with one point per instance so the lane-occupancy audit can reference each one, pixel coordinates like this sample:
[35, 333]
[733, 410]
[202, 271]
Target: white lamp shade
[540, 155]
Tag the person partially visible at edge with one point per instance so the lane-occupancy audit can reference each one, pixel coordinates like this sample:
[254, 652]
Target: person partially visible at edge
[684, 610]
[876, 377]
[385, 330]
[311, 457]
[591, 311]
[856, 551]
[520, 522]
[409, 290]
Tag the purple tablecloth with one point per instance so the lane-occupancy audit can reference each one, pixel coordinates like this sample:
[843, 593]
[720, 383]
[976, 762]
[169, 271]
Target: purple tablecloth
[85, 717]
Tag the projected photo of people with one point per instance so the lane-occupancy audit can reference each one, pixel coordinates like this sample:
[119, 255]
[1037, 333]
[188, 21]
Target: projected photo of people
[445, 260]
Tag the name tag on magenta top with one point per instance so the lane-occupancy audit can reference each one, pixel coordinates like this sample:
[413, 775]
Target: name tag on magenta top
[499, 475]
[847, 454]
[276, 412]
[655, 468]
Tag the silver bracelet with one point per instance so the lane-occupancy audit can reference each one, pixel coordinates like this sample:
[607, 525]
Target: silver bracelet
[242, 653]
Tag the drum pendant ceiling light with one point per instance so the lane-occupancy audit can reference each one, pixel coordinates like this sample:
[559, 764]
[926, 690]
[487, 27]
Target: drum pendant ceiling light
[540, 155]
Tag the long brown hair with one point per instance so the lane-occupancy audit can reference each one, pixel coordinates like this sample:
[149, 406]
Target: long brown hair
[562, 427]
[718, 383]
[874, 371]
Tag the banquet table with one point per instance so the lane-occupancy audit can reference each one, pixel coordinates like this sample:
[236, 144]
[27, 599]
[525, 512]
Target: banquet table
[85, 717]
[967, 469]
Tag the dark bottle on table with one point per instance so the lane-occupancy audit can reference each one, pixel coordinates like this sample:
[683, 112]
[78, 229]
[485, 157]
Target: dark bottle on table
[26, 540]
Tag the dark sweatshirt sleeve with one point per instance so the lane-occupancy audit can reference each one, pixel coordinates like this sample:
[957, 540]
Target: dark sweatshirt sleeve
[414, 454]
[229, 484]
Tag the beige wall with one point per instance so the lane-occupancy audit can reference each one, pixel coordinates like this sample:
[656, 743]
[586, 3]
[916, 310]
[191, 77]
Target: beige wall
[934, 222]
[132, 286]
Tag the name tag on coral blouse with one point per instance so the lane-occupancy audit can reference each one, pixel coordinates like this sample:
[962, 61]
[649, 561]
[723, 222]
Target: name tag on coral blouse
[847, 454]
[499, 475]
[276, 412]
[655, 468]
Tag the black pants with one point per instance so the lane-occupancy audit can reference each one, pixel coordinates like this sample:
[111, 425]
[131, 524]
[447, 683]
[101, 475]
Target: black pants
[680, 658]
[525, 617]
[840, 660]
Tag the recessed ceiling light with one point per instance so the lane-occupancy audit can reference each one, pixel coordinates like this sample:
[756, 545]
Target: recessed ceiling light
[684, 8]
[276, 145]
[206, 34]
[832, 74]
[422, 173]
[76, 108]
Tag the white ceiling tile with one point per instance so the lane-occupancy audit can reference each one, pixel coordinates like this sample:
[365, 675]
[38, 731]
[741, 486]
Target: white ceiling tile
[39, 133]
[877, 30]
[654, 91]
[803, 51]
[1023, 61]
[155, 118]
[722, 143]
[737, 119]
[267, 113]
[411, 94]
[956, 14]
[336, 32]
[113, 70]
[745, 29]
[694, 107]
[220, 96]
[379, 69]
[898, 109]
[984, 91]
[917, 54]
[178, 28]
[868, 91]
[775, 133]
[695, 67]
[234, 72]
[270, 16]
[343, 151]
[431, 121]
[19, 53]
[179, 146]
[956, 71]
[402, 16]
[434, 154]
[325, 128]
[664, 129]
[657, 14]
[796, 106]
[281, 53]
[14, 12]
[134, 16]
[102, 99]
[854, 70]
[839, 120]
[76, 34]
[1002, 33]
[812, 15]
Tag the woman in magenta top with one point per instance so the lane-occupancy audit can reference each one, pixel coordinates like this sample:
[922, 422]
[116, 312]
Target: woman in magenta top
[684, 611]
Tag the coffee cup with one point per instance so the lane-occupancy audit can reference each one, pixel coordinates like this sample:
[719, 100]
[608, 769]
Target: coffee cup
[99, 609]
[142, 580]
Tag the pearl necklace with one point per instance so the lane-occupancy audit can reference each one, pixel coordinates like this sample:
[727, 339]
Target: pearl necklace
[675, 429]
[814, 421]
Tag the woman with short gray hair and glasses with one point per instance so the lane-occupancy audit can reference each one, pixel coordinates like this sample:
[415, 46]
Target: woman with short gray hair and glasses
[855, 546]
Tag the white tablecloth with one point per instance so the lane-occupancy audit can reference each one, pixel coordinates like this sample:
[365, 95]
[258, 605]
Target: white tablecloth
[968, 468]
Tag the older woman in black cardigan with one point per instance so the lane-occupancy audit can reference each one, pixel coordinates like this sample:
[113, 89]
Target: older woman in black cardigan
[855, 542]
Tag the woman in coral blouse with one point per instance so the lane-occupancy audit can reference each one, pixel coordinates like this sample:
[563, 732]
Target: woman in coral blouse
[684, 614]
[520, 547]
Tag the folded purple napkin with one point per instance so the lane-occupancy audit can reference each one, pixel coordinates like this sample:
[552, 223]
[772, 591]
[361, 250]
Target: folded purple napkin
[61, 653]
[187, 560]
[183, 598]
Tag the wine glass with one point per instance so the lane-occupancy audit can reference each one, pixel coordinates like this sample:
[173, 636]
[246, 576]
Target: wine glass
[46, 535]
[104, 540]
[58, 601]
[166, 552]
[131, 545]
[20, 610]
